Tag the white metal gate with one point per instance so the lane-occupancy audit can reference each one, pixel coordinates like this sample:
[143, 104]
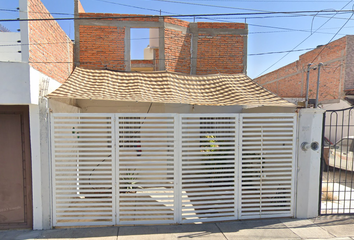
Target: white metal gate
[171, 168]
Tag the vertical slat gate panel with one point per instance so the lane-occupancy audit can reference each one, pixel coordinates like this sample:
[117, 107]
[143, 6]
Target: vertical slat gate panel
[208, 167]
[267, 167]
[83, 153]
[171, 168]
[146, 177]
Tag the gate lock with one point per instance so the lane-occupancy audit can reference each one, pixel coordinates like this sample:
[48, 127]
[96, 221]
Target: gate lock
[306, 146]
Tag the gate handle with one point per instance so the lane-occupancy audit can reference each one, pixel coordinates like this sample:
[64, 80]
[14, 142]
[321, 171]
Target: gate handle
[306, 146]
[315, 146]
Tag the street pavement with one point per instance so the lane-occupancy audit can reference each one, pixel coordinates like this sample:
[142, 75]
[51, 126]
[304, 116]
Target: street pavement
[324, 227]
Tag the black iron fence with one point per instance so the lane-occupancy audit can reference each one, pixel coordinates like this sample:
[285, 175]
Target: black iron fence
[337, 170]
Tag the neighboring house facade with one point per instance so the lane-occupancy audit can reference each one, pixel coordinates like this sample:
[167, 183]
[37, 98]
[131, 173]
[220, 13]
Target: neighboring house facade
[336, 79]
[33, 62]
[336, 76]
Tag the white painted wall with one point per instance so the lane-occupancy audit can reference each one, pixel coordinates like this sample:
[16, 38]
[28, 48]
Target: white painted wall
[14, 83]
[36, 166]
[338, 105]
[154, 38]
[40, 85]
[63, 107]
[45, 107]
[11, 53]
[308, 163]
[295, 100]
[102, 106]
[269, 110]
[23, 5]
[98, 106]
[148, 53]
[22, 84]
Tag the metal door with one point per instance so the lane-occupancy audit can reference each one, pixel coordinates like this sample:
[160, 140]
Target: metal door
[15, 171]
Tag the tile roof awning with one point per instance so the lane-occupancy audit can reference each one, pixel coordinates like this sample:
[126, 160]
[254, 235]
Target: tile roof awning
[166, 87]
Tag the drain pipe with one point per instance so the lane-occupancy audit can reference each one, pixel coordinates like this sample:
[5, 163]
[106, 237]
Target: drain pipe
[318, 83]
[307, 85]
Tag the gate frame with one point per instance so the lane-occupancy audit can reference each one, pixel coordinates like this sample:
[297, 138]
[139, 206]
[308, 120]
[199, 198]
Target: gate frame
[322, 166]
[178, 158]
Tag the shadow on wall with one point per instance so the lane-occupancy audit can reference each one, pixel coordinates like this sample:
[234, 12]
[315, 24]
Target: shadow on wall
[177, 51]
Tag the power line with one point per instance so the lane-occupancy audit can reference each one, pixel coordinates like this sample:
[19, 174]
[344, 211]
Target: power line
[148, 38]
[18, 11]
[303, 40]
[229, 7]
[282, 16]
[208, 5]
[8, 10]
[281, 1]
[175, 15]
[178, 58]
[332, 38]
[155, 10]
[266, 53]
[137, 7]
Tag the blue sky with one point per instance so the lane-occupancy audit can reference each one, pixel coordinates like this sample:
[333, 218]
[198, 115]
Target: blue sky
[273, 34]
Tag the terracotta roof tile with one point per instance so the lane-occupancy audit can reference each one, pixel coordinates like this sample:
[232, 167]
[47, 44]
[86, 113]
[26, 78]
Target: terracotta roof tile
[166, 87]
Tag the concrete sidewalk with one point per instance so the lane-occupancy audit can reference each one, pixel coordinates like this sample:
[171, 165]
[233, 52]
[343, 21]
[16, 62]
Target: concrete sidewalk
[327, 227]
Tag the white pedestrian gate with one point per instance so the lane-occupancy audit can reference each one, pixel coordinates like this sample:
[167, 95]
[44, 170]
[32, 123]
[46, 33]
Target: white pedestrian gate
[171, 168]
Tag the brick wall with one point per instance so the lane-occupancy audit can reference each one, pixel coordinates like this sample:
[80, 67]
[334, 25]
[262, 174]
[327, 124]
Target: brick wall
[50, 50]
[102, 47]
[177, 51]
[151, 62]
[220, 53]
[349, 67]
[176, 21]
[290, 80]
[221, 25]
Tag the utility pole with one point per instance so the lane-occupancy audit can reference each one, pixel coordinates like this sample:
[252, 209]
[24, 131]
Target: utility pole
[318, 83]
[307, 84]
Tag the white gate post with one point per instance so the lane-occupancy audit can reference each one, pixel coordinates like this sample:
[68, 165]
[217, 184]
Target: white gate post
[308, 162]
[178, 169]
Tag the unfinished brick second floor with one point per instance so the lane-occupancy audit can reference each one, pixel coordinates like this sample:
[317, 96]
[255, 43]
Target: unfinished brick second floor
[103, 42]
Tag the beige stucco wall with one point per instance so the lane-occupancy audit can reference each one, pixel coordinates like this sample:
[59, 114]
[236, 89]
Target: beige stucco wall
[103, 106]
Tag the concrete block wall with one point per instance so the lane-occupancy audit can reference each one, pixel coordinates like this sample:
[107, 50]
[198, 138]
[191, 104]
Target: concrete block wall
[290, 80]
[50, 49]
[103, 42]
